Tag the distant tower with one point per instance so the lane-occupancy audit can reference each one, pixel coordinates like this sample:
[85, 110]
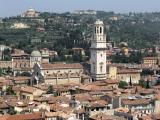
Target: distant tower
[98, 52]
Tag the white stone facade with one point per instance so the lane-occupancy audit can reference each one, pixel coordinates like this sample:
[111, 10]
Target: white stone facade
[98, 52]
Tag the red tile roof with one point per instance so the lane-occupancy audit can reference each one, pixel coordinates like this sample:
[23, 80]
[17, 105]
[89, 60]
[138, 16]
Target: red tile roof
[33, 116]
[135, 101]
[62, 65]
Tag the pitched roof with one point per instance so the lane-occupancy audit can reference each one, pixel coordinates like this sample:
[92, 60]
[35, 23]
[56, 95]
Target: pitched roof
[28, 89]
[32, 116]
[103, 116]
[135, 101]
[62, 65]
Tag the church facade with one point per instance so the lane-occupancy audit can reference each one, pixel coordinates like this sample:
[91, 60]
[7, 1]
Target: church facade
[58, 73]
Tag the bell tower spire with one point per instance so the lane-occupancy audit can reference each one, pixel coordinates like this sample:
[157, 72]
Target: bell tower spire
[98, 52]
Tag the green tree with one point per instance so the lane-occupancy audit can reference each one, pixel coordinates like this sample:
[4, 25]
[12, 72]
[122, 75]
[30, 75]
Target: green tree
[1, 71]
[12, 111]
[9, 70]
[9, 91]
[130, 81]
[123, 84]
[7, 55]
[50, 90]
[26, 74]
[142, 83]
[147, 85]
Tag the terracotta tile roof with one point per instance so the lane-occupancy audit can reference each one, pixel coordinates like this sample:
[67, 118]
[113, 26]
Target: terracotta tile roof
[110, 81]
[147, 117]
[43, 87]
[53, 114]
[28, 89]
[59, 107]
[58, 99]
[62, 66]
[85, 97]
[102, 116]
[123, 110]
[5, 81]
[147, 91]
[16, 88]
[129, 71]
[90, 87]
[135, 101]
[98, 103]
[3, 105]
[32, 116]
[156, 87]
[41, 99]
[79, 111]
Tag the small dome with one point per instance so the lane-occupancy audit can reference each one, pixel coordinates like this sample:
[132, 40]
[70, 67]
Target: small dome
[36, 53]
[123, 44]
[98, 22]
[31, 10]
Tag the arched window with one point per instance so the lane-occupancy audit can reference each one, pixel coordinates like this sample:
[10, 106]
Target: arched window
[101, 67]
[97, 30]
[100, 29]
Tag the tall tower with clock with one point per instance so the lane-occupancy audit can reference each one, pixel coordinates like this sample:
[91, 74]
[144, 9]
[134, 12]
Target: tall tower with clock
[98, 52]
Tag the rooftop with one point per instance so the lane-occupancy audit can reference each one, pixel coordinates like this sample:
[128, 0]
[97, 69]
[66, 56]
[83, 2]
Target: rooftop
[62, 66]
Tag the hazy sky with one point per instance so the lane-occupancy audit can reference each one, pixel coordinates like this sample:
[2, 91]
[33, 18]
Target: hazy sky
[14, 7]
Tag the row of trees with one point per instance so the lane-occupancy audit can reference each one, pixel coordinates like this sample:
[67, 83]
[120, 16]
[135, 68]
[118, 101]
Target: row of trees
[142, 83]
[134, 57]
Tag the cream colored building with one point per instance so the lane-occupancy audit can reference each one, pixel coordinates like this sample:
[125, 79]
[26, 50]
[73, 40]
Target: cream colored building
[112, 72]
[29, 93]
[22, 62]
[79, 51]
[60, 73]
[151, 61]
[19, 26]
[45, 55]
[124, 74]
[30, 13]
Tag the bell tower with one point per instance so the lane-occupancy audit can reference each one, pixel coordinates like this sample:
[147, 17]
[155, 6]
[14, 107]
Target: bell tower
[98, 52]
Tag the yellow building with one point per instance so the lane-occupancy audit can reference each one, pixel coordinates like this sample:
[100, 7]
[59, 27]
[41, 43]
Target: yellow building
[28, 93]
[79, 51]
[112, 72]
[124, 74]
